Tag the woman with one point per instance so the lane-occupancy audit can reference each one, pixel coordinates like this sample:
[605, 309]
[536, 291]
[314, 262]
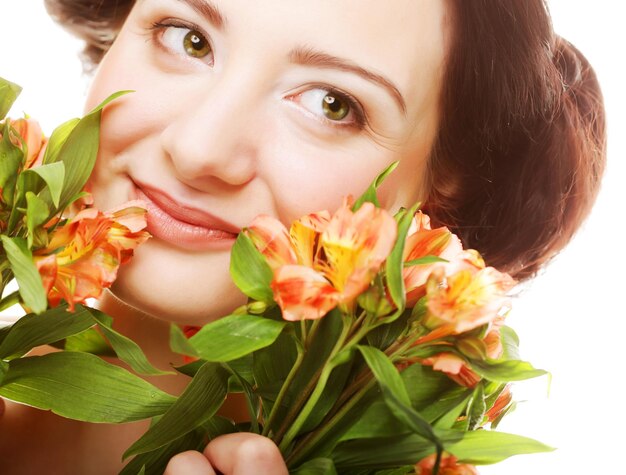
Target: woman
[244, 108]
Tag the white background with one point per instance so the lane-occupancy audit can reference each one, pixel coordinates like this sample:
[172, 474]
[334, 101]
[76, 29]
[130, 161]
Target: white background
[571, 320]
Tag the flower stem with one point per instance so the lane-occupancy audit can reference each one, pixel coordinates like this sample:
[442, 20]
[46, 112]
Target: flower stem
[9, 300]
[313, 438]
[302, 407]
[283, 391]
[351, 396]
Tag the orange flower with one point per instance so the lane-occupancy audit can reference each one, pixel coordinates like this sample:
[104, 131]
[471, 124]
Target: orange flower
[32, 137]
[448, 466]
[355, 246]
[467, 299]
[502, 402]
[455, 367]
[83, 255]
[302, 293]
[271, 238]
[324, 261]
[423, 241]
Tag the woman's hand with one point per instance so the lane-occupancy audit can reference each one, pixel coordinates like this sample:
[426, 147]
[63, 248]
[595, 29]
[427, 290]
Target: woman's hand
[231, 454]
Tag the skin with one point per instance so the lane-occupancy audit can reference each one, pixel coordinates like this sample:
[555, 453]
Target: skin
[235, 133]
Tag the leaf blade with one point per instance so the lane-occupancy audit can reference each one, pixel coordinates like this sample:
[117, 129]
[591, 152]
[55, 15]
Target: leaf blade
[83, 387]
[234, 336]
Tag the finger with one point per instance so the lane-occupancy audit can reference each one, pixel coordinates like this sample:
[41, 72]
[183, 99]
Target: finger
[245, 454]
[189, 463]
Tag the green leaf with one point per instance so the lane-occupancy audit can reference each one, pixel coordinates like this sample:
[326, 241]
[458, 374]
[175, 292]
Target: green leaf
[250, 271]
[10, 162]
[8, 94]
[126, 349]
[4, 369]
[378, 421]
[26, 273]
[79, 151]
[89, 341]
[52, 174]
[37, 213]
[427, 387]
[449, 408]
[395, 393]
[395, 266]
[426, 260]
[370, 193]
[57, 140]
[476, 408]
[407, 469]
[387, 452]
[179, 343]
[234, 336]
[252, 400]
[32, 330]
[482, 447]
[510, 344]
[385, 372]
[197, 404]
[83, 387]
[271, 366]
[505, 371]
[318, 466]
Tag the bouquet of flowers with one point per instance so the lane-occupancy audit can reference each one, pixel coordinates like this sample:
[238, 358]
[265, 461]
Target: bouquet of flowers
[370, 343]
[61, 251]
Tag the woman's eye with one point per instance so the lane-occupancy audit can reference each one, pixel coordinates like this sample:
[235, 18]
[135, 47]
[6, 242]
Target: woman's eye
[186, 41]
[330, 105]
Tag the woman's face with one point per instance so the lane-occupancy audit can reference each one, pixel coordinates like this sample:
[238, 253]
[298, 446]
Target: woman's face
[242, 108]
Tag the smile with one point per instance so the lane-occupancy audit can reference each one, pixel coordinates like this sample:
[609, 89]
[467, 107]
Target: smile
[183, 226]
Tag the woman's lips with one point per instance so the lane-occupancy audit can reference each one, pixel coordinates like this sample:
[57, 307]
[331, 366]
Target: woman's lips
[185, 227]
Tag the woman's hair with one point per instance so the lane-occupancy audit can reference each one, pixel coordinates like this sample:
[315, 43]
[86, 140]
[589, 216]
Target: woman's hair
[521, 147]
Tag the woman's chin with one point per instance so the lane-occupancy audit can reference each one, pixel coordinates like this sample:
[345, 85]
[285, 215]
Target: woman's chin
[172, 302]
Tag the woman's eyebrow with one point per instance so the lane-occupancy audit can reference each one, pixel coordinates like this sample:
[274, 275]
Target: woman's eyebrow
[208, 10]
[310, 57]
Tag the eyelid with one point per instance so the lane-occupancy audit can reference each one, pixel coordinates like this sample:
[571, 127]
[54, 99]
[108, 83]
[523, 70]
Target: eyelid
[361, 120]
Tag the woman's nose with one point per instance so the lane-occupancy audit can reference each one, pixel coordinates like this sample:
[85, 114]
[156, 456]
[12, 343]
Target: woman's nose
[210, 137]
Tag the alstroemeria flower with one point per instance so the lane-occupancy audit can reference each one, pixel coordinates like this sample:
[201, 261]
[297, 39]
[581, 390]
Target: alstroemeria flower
[355, 246]
[423, 241]
[455, 367]
[502, 403]
[32, 135]
[83, 255]
[468, 299]
[449, 466]
[302, 293]
[324, 261]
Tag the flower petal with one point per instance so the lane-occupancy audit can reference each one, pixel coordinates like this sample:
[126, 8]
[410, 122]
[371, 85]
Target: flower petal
[271, 238]
[302, 293]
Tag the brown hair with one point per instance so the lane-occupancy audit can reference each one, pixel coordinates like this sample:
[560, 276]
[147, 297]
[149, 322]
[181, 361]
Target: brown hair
[521, 148]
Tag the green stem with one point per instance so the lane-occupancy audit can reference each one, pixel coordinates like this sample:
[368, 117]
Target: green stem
[303, 406]
[350, 397]
[9, 300]
[303, 330]
[312, 439]
[283, 391]
[312, 332]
